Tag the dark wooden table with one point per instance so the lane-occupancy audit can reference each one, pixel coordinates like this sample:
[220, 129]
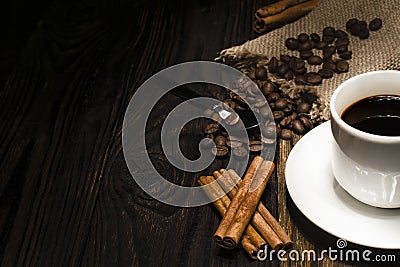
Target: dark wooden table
[66, 196]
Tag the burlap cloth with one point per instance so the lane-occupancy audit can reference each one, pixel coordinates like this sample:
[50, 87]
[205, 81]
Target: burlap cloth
[380, 51]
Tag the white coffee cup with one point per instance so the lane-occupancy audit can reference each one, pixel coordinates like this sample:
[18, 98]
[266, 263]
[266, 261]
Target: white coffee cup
[367, 166]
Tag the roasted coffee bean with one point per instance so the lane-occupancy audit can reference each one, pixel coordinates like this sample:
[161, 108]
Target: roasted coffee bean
[342, 66]
[346, 55]
[325, 73]
[273, 97]
[230, 103]
[278, 115]
[288, 109]
[341, 49]
[208, 142]
[298, 127]
[265, 112]
[328, 31]
[285, 58]
[268, 88]
[233, 142]
[313, 44]
[224, 134]
[286, 122]
[305, 46]
[321, 45]
[208, 113]
[292, 43]
[211, 128]
[220, 140]
[306, 122]
[278, 130]
[364, 33]
[300, 71]
[350, 23]
[220, 151]
[303, 37]
[268, 129]
[341, 42]
[340, 34]
[303, 107]
[362, 24]
[313, 78]
[306, 54]
[282, 69]
[288, 75]
[255, 146]
[315, 37]
[286, 134]
[281, 103]
[239, 100]
[299, 63]
[315, 60]
[261, 73]
[239, 152]
[375, 24]
[252, 73]
[330, 65]
[273, 65]
[328, 38]
[328, 51]
[300, 79]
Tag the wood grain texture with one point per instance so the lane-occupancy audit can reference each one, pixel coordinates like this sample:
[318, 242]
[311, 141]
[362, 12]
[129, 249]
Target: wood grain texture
[66, 196]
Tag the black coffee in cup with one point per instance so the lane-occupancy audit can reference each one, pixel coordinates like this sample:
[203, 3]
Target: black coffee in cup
[378, 115]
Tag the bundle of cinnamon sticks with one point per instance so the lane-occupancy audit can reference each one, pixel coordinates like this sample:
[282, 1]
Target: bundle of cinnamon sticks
[278, 14]
[245, 219]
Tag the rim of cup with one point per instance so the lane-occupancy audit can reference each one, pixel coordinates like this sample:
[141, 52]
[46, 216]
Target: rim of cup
[361, 134]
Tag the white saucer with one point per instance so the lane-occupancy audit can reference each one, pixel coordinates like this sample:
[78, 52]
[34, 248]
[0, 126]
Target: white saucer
[324, 202]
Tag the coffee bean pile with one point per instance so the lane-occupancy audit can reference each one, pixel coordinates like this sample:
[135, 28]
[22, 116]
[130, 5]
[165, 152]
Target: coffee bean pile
[360, 28]
[320, 56]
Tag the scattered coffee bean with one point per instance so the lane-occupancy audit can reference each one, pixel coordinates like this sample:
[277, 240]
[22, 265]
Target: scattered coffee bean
[328, 52]
[220, 140]
[364, 33]
[341, 49]
[282, 69]
[350, 23]
[265, 112]
[268, 129]
[300, 71]
[340, 34]
[261, 73]
[325, 73]
[286, 122]
[220, 151]
[239, 151]
[375, 24]
[255, 146]
[286, 134]
[306, 54]
[313, 78]
[306, 122]
[268, 88]
[303, 37]
[292, 43]
[315, 60]
[273, 97]
[315, 37]
[233, 142]
[285, 58]
[330, 65]
[305, 46]
[328, 38]
[300, 79]
[273, 65]
[328, 31]
[278, 115]
[211, 128]
[303, 107]
[298, 127]
[281, 103]
[321, 45]
[288, 75]
[346, 55]
[342, 66]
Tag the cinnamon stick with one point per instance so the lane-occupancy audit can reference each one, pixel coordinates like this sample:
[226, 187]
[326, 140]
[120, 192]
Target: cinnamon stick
[249, 204]
[277, 7]
[269, 219]
[235, 204]
[290, 14]
[252, 242]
